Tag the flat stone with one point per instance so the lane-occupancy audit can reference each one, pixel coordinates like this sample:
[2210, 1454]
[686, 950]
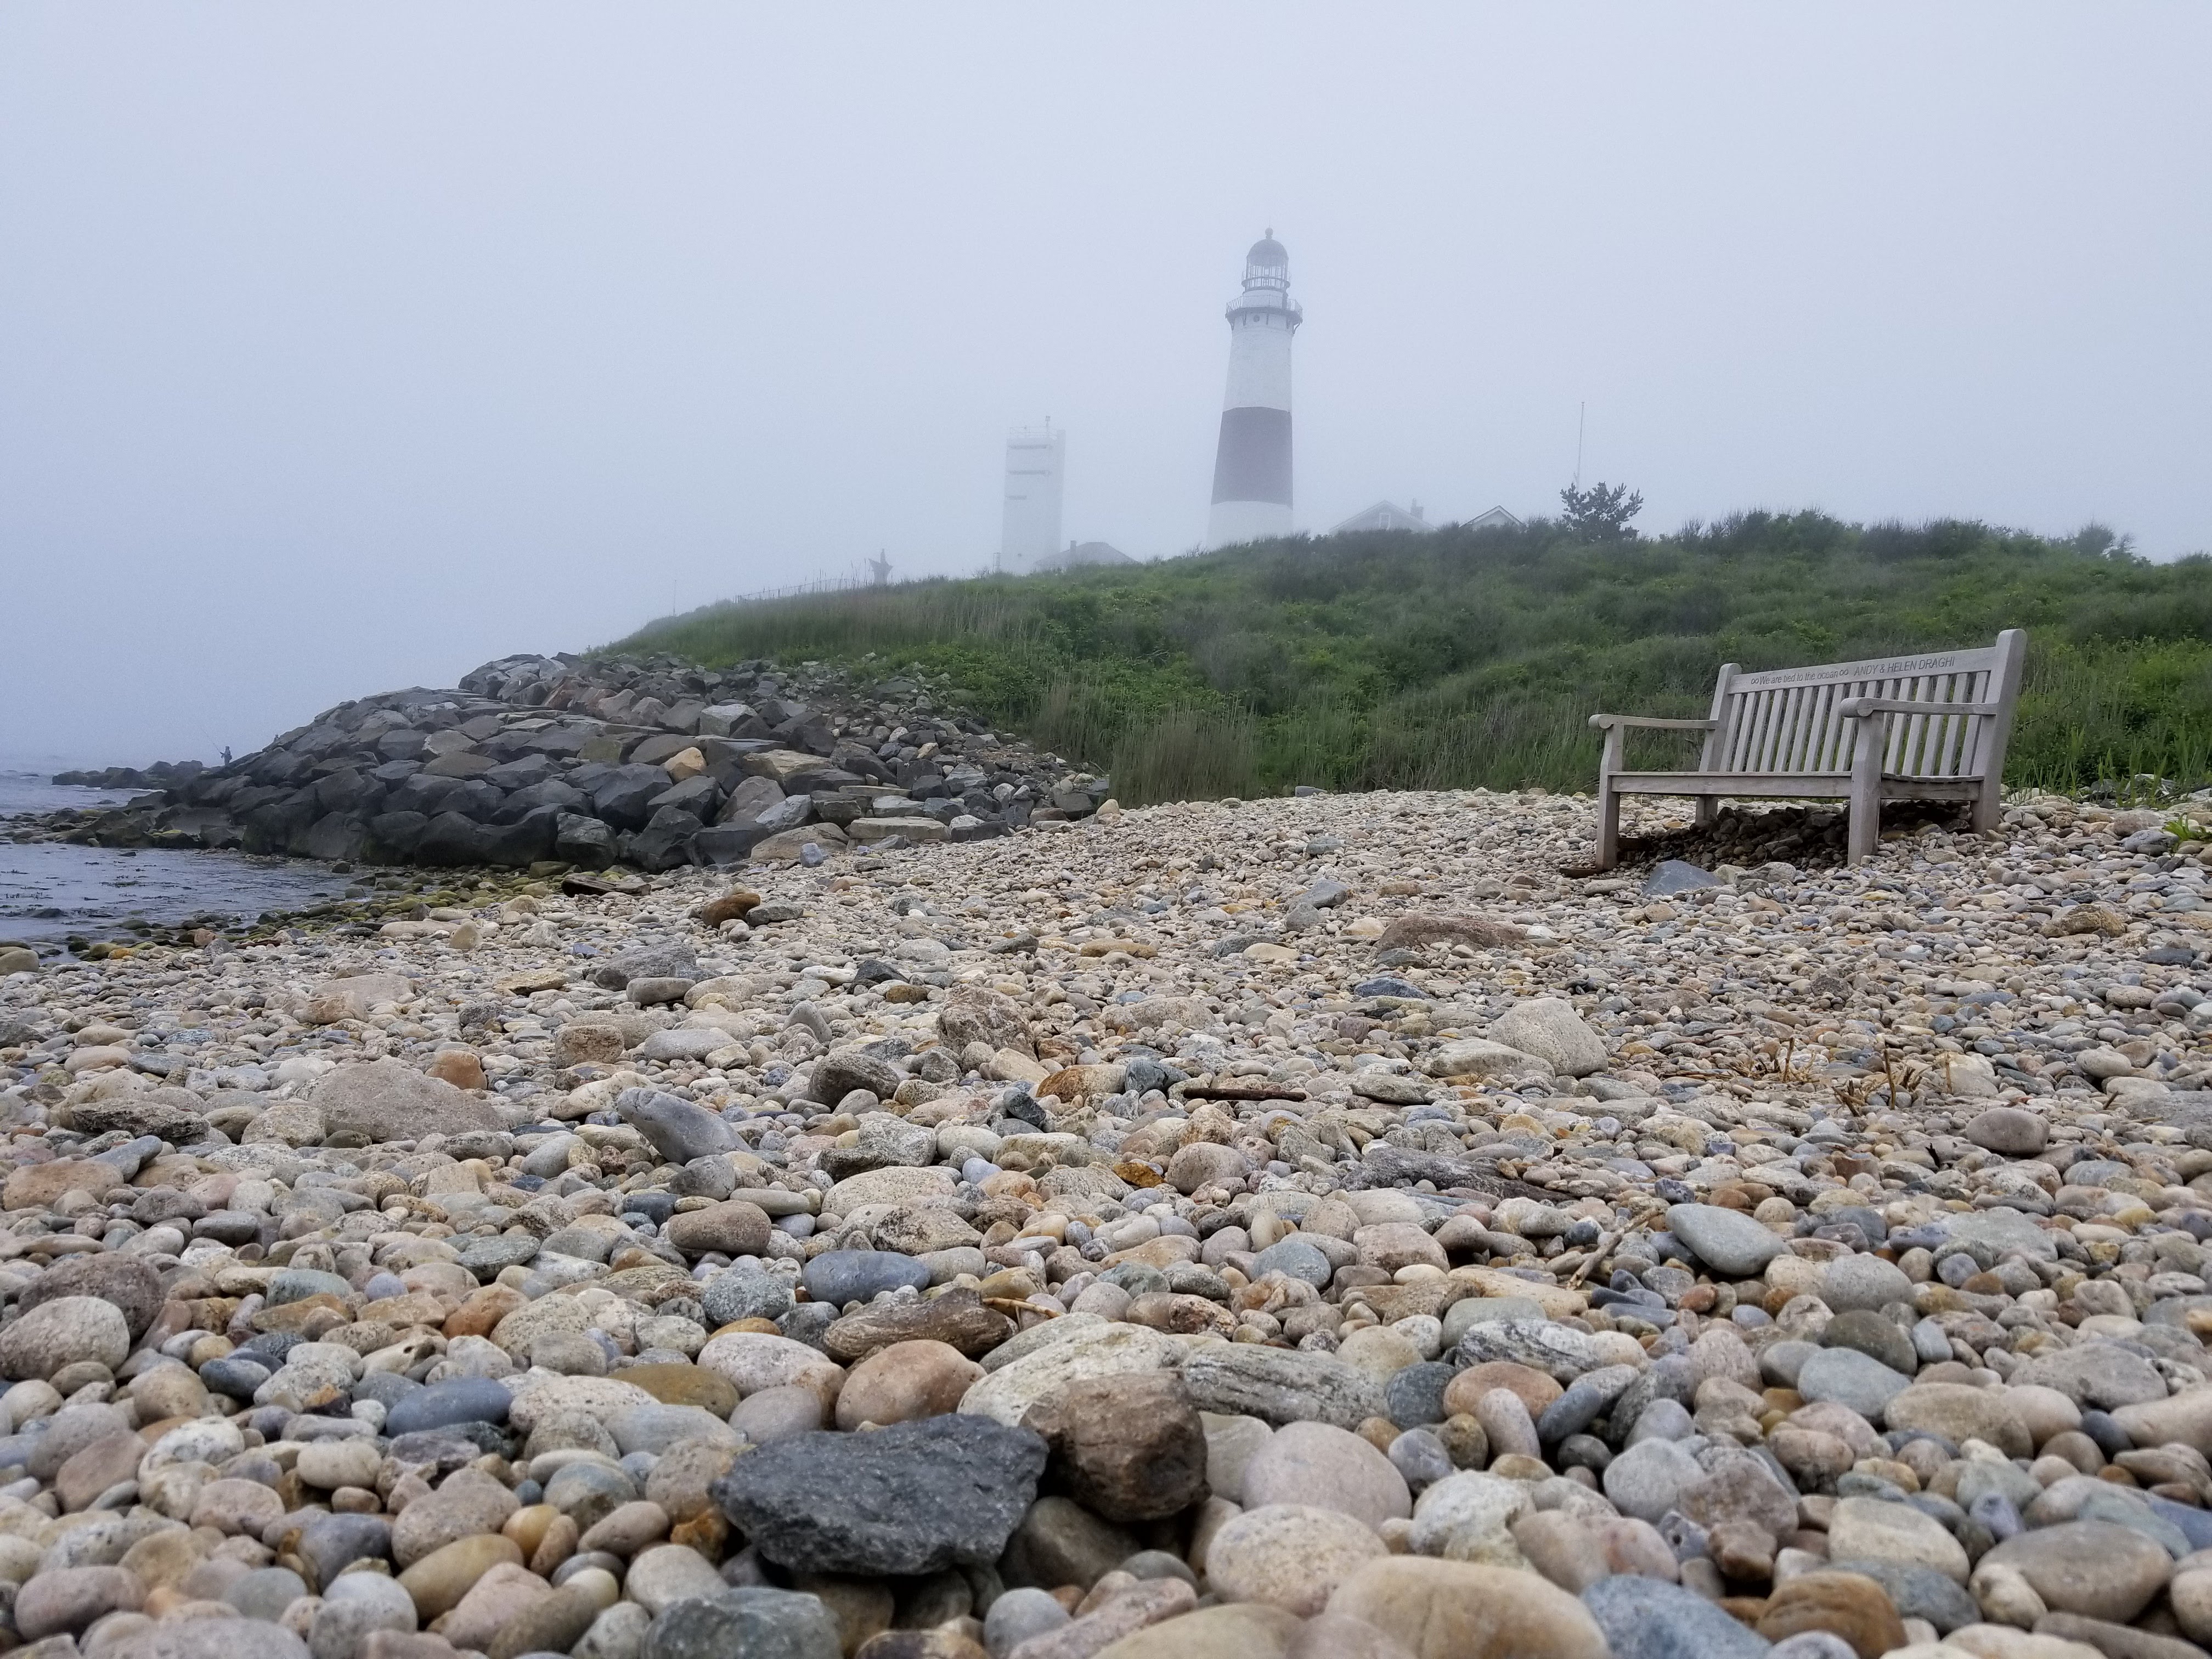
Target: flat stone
[1559, 1350]
[1288, 1555]
[467, 1504]
[1324, 1466]
[1728, 1240]
[2102, 1375]
[679, 1130]
[2009, 1130]
[1874, 1529]
[1649, 1478]
[734, 1228]
[441, 1405]
[684, 1385]
[1863, 1283]
[209, 1638]
[840, 1277]
[957, 1318]
[1960, 1413]
[1851, 1379]
[2093, 1568]
[1444, 1609]
[1281, 1387]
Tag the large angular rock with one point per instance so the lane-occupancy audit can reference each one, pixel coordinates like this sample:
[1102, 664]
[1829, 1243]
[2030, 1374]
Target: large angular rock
[976, 1013]
[130, 1283]
[390, 1100]
[841, 1070]
[177, 1116]
[915, 1498]
[1483, 1057]
[1129, 1447]
[356, 996]
[1549, 1028]
[1103, 1350]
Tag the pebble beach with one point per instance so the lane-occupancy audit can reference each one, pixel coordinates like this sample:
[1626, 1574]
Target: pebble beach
[1326, 1228]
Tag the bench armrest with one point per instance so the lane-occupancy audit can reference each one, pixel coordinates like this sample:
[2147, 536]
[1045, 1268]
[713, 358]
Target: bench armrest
[1602, 721]
[1860, 707]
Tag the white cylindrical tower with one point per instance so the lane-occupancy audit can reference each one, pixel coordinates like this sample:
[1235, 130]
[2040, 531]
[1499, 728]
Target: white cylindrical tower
[1028, 529]
[1252, 465]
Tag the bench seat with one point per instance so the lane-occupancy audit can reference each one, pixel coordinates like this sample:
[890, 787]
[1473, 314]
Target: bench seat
[1929, 727]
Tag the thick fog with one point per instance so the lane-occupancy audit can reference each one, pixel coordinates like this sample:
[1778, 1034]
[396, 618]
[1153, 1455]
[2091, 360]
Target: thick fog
[343, 347]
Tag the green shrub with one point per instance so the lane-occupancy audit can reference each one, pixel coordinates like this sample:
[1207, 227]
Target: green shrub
[1395, 660]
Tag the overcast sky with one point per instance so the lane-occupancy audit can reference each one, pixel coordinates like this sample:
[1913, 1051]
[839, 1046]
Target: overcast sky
[344, 346]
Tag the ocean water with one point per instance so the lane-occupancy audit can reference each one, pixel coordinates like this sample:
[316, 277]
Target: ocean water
[49, 891]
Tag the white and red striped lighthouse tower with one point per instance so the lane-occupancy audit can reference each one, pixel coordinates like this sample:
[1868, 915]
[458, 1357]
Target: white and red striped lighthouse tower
[1252, 467]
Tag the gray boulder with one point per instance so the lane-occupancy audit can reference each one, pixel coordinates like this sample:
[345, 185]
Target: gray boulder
[679, 1130]
[840, 1071]
[389, 1100]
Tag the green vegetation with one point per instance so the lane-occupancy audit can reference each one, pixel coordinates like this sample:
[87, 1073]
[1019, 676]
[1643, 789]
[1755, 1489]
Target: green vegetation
[1393, 659]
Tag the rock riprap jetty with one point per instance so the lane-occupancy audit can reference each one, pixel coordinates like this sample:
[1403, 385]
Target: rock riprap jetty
[648, 763]
[1236, 1231]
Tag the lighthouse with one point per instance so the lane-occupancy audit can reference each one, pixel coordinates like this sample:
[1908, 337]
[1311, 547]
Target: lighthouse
[1252, 465]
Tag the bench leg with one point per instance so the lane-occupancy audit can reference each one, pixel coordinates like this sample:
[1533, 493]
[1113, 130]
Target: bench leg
[1608, 828]
[1988, 805]
[1708, 811]
[1865, 828]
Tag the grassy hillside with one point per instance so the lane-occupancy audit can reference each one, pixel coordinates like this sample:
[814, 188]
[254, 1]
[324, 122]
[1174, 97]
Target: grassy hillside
[1458, 659]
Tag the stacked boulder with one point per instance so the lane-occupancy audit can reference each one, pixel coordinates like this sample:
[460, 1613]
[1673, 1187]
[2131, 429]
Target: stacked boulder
[648, 763]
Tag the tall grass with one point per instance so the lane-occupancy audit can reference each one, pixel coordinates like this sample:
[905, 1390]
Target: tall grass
[1459, 659]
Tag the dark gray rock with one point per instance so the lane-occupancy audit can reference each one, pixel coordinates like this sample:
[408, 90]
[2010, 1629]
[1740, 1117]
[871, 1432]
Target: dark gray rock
[1295, 1258]
[585, 840]
[679, 1130]
[655, 959]
[330, 1542]
[1650, 1619]
[840, 1071]
[1415, 1396]
[460, 1399]
[837, 1277]
[485, 1257]
[911, 1499]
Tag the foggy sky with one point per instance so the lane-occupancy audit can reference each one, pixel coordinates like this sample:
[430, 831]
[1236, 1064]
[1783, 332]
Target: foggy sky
[344, 346]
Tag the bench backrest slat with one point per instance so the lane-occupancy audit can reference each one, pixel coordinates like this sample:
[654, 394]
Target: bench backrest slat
[1784, 719]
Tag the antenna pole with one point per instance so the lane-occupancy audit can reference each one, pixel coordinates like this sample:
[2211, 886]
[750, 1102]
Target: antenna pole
[1582, 411]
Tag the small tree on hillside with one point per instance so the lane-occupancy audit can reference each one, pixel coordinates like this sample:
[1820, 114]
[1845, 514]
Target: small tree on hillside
[1602, 512]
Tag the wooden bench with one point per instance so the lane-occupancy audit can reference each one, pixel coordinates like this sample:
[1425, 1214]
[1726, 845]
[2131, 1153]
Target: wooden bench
[1928, 727]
